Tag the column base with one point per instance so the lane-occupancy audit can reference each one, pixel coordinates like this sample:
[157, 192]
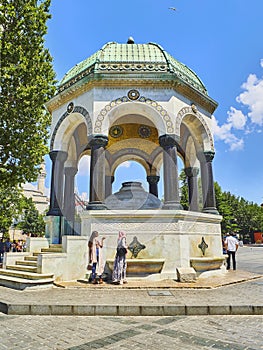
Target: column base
[210, 210]
[54, 212]
[172, 205]
[96, 206]
[68, 227]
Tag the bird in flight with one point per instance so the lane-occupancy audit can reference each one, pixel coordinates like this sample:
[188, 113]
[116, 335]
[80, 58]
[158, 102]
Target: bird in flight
[172, 8]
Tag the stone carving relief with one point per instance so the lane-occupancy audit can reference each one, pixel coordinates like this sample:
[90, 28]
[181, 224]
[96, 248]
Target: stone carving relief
[71, 109]
[163, 113]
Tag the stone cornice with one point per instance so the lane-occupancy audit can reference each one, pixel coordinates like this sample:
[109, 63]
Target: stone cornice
[162, 81]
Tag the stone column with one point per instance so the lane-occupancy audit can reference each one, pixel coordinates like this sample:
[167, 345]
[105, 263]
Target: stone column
[58, 159]
[97, 172]
[208, 183]
[170, 171]
[109, 179]
[153, 184]
[69, 195]
[191, 174]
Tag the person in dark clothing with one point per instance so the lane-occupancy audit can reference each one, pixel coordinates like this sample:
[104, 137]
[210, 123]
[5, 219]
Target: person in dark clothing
[2, 250]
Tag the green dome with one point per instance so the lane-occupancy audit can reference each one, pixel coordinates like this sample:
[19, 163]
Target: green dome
[143, 61]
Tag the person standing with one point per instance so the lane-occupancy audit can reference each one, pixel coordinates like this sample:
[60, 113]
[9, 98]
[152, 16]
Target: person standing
[8, 245]
[96, 259]
[2, 250]
[120, 264]
[231, 247]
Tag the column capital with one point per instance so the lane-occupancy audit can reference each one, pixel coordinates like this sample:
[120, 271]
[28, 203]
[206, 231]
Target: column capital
[191, 171]
[71, 171]
[209, 155]
[97, 141]
[58, 155]
[167, 141]
[153, 179]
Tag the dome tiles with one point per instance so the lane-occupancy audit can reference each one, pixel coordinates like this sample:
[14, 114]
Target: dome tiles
[133, 61]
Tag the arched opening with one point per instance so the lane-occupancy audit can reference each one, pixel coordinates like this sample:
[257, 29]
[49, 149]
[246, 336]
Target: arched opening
[129, 171]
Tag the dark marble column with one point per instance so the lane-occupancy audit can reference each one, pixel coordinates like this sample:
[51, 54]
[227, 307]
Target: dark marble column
[109, 179]
[191, 174]
[97, 172]
[170, 172]
[208, 183]
[69, 195]
[153, 184]
[58, 159]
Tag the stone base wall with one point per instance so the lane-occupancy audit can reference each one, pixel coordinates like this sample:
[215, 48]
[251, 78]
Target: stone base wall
[167, 234]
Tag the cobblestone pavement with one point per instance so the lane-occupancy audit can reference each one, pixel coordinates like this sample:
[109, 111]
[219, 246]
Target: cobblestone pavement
[155, 333]
[224, 332]
[250, 259]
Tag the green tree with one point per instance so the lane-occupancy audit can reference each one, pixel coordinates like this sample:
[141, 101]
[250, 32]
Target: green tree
[11, 204]
[27, 82]
[184, 199]
[31, 222]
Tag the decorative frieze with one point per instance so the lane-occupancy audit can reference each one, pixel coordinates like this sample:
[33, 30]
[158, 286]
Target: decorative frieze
[163, 113]
[71, 109]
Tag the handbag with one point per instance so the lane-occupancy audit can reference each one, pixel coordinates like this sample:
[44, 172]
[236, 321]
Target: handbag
[121, 251]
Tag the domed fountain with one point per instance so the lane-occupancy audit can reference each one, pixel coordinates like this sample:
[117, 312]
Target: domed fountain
[132, 196]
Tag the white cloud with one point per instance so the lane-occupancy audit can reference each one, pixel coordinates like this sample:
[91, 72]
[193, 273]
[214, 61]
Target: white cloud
[224, 133]
[84, 166]
[126, 164]
[252, 97]
[236, 118]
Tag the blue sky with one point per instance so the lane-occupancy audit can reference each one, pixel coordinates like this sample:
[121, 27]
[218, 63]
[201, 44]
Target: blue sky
[220, 40]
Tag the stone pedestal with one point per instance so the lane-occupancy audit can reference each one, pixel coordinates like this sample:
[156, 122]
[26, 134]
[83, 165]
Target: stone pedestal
[172, 235]
[53, 229]
[186, 274]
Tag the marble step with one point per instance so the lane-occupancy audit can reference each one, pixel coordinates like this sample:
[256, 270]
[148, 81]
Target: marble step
[52, 250]
[30, 258]
[27, 262]
[24, 283]
[22, 268]
[25, 274]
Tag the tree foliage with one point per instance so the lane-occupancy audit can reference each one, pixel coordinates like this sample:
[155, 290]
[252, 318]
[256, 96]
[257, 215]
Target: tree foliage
[31, 222]
[238, 214]
[27, 82]
[11, 204]
[184, 197]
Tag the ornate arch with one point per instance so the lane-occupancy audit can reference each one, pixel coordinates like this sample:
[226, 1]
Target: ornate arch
[189, 110]
[76, 109]
[163, 113]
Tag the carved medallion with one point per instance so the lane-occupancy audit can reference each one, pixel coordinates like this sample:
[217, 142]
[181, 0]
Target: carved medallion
[133, 94]
[194, 108]
[70, 107]
[135, 247]
[116, 131]
[144, 131]
[203, 246]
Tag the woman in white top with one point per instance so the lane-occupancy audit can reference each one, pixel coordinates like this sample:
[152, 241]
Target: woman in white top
[96, 257]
